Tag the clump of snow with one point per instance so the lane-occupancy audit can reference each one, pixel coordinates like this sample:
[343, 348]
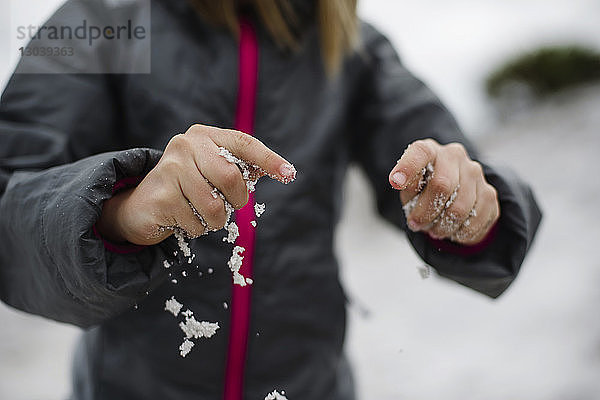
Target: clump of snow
[452, 197]
[253, 223]
[439, 201]
[232, 232]
[289, 173]
[228, 207]
[235, 263]
[166, 264]
[185, 347]
[247, 169]
[183, 245]
[424, 271]
[194, 329]
[173, 306]
[410, 205]
[259, 209]
[251, 184]
[275, 395]
[448, 221]
[226, 154]
[426, 175]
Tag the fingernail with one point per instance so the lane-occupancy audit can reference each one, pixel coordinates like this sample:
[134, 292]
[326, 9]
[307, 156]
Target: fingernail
[288, 171]
[413, 226]
[399, 178]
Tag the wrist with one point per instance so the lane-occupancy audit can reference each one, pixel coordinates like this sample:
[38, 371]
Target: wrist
[111, 222]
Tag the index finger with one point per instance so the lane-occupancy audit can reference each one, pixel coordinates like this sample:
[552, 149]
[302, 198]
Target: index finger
[255, 152]
[408, 171]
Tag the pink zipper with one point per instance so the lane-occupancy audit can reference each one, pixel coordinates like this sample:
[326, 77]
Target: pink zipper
[241, 296]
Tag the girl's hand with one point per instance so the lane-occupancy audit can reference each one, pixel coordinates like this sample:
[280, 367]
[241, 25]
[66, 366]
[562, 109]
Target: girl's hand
[445, 193]
[185, 176]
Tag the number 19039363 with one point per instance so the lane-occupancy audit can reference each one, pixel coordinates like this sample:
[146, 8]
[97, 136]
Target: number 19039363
[49, 51]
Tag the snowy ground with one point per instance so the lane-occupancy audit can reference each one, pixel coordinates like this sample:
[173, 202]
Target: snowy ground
[430, 339]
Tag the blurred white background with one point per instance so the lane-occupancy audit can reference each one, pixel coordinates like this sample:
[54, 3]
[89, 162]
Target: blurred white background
[430, 339]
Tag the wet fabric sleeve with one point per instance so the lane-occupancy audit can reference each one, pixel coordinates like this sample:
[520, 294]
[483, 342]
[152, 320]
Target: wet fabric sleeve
[394, 109]
[56, 170]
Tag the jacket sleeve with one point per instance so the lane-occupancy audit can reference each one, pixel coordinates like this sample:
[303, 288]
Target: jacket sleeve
[56, 170]
[394, 109]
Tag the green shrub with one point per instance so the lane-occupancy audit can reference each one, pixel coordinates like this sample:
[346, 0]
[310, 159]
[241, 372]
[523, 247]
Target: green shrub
[548, 70]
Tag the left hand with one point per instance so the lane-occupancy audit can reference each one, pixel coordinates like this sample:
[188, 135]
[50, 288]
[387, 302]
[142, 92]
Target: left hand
[454, 199]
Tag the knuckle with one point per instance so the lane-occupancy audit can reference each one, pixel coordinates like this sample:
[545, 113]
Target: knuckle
[441, 185]
[476, 168]
[421, 216]
[418, 216]
[460, 210]
[457, 149]
[214, 208]
[163, 197]
[239, 198]
[430, 142]
[171, 166]
[196, 229]
[177, 143]
[270, 159]
[231, 178]
[439, 229]
[197, 129]
[221, 220]
[489, 193]
[464, 234]
[425, 146]
[243, 140]
[245, 199]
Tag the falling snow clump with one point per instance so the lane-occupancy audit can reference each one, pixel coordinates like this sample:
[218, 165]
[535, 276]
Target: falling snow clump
[232, 232]
[235, 263]
[275, 395]
[185, 347]
[259, 209]
[173, 306]
[192, 328]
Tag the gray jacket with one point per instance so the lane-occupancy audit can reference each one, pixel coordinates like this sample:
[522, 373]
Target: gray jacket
[65, 139]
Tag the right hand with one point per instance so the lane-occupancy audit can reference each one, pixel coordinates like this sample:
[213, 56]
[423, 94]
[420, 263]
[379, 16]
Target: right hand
[187, 172]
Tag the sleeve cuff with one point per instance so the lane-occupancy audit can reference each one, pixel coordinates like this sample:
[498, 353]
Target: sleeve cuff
[464, 250]
[121, 248]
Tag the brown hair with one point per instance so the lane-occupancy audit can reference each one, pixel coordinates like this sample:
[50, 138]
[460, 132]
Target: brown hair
[338, 24]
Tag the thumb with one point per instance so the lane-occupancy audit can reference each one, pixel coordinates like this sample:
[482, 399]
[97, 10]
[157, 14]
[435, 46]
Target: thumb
[409, 169]
[253, 151]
